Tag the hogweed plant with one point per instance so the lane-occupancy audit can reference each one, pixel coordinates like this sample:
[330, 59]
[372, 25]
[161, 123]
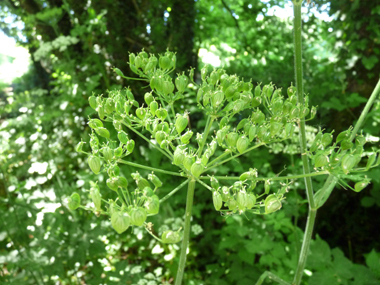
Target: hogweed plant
[273, 118]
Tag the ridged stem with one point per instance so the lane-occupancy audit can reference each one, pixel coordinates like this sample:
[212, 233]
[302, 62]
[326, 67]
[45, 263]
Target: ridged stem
[186, 232]
[306, 168]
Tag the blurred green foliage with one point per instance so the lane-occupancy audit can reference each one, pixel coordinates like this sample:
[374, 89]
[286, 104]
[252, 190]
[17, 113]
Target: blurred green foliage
[74, 45]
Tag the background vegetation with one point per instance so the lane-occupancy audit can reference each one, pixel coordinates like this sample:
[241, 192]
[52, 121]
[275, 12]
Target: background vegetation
[73, 47]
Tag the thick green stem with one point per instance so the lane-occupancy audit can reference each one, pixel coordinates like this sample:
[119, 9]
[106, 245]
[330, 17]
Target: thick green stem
[299, 86]
[306, 168]
[149, 168]
[305, 246]
[186, 233]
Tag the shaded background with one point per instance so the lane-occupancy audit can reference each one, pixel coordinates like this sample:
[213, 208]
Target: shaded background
[73, 46]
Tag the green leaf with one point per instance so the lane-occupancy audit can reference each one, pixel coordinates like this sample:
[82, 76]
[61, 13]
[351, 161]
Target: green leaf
[320, 255]
[342, 265]
[369, 62]
[373, 261]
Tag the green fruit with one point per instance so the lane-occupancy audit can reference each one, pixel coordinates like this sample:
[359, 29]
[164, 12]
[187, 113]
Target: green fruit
[252, 133]
[275, 128]
[266, 187]
[123, 137]
[140, 113]
[359, 186]
[107, 153]
[186, 137]
[165, 62]
[326, 139]
[95, 197]
[167, 87]
[343, 135]
[251, 201]
[74, 201]
[220, 136]
[370, 161]
[152, 205]
[181, 83]
[321, 160]
[153, 106]
[242, 144]
[155, 180]
[181, 123]
[79, 147]
[93, 103]
[120, 221]
[257, 91]
[188, 161]
[95, 163]
[256, 101]
[361, 140]
[348, 162]
[214, 183]
[346, 144]
[148, 97]
[223, 122]
[178, 156]
[101, 111]
[258, 117]
[232, 139]
[103, 132]
[142, 183]
[112, 183]
[110, 106]
[232, 204]
[241, 199]
[241, 124]
[148, 192]
[216, 99]
[272, 204]
[95, 123]
[217, 200]
[289, 130]
[122, 182]
[197, 168]
[138, 216]
[130, 145]
[160, 136]
[161, 114]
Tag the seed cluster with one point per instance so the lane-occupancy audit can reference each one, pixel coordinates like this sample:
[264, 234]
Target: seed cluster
[268, 118]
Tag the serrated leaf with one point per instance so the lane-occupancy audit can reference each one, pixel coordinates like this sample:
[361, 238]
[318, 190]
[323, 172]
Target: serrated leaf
[373, 261]
[320, 255]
